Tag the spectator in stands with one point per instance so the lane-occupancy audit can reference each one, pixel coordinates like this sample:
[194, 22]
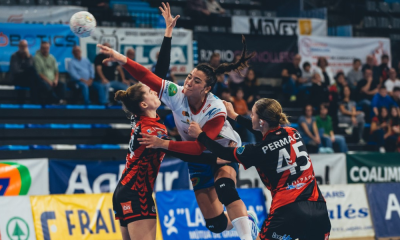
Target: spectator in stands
[307, 75]
[197, 9]
[105, 77]
[236, 79]
[370, 64]
[382, 99]
[226, 95]
[214, 7]
[240, 106]
[341, 82]
[220, 87]
[384, 67]
[291, 78]
[22, 70]
[394, 126]
[324, 121]
[325, 72]
[215, 60]
[319, 92]
[81, 72]
[308, 129]
[130, 53]
[355, 74]
[170, 76]
[250, 88]
[396, 95]
[366, 89]
[380, 129]
[348, 114]
[47, 68]
[392, 81]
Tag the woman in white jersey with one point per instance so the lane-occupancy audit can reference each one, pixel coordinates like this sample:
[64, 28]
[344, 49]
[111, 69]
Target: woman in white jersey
[213, 185]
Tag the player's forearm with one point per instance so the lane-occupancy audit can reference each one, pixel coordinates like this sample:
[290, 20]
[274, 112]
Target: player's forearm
[143, 74]
[245, 122]
[164, 58]
[225, 153]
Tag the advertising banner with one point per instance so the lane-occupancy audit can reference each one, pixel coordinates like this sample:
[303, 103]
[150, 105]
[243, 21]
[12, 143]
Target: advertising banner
[273, 53]
[278, 26]
[38, 14]
[329, 168]
[60, 37]
[341, 51]
[373, 167]
[16, 222]
[24, 177]
[146, 43]
[384, 202]
[173, 175]
[348, 210]
[181, 218]
[86, 176]
[79, 216]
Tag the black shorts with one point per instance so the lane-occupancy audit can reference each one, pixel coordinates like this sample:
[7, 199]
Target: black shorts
[305, 220]
[130, 205]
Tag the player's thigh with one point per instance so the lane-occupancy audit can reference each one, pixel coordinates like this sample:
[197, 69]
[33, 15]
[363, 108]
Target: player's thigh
[125, 233]
[208, 202]
[226, 171]
[144, 229]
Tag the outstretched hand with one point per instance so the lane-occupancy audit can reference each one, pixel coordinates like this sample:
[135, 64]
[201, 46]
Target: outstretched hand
[152, 141]
[113, 56]
[166, 13]
[229, 110]
[194, 130]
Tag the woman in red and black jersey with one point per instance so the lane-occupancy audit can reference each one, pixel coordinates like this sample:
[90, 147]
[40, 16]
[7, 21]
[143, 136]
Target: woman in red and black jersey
[298, 208]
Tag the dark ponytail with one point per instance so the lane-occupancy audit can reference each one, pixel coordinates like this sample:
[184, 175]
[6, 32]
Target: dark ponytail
[131, 99]
[212, 73]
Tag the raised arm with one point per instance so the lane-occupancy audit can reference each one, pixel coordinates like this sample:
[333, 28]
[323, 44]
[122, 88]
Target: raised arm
[164, 58]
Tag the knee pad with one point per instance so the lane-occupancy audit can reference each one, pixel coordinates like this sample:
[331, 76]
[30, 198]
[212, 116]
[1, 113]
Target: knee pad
[226, 191]
[217, 224]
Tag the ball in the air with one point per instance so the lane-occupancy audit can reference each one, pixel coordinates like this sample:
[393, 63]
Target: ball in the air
[82, 24]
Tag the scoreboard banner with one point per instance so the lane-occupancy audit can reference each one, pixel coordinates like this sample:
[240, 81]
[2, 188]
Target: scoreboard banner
[16, 220]
[146, 43]
[181, 218]
[348, 210]
[24, 177]
[78, 216]
[384, 201]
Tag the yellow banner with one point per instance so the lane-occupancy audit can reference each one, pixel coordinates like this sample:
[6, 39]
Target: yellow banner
[78, 216]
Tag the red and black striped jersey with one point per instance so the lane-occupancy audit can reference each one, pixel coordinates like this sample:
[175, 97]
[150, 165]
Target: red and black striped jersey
[143, 164]
[284, 166]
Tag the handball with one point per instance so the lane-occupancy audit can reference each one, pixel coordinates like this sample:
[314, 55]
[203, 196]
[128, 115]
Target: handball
[82, 24]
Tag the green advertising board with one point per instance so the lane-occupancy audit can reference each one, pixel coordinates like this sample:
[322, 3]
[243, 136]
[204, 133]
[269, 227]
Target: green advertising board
[373, 167]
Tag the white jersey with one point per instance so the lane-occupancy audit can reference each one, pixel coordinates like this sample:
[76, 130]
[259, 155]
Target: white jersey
[172, 95]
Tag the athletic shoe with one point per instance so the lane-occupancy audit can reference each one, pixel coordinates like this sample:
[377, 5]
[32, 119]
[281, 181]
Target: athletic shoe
[253, 221]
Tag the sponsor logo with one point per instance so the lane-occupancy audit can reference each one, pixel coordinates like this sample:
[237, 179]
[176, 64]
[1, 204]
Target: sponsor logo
[169, 222]
[15, 18]
[172, 90]
[212, 112]
[270, 26]
[186, 114]
[15, 179]
[205, 109]
[187, 121]
[126, 207]
[298, 186]
[149, 131]
[240, 150]
[281, 237]
[3, 40]
[195, 181]
[17, 228]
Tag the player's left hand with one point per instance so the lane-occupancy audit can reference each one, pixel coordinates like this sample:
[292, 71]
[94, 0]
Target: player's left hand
[151, 141]
[170, 21]
[194, 129]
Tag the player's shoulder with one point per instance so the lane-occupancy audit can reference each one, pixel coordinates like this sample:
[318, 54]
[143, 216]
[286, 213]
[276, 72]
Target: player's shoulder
[171, 89]
[213, 106]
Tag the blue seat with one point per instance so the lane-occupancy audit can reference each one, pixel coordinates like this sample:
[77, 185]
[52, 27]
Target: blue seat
[82, 126]
[60, 126]
[37, 126]
[14, 126]
[101, 126]
[14, 147]
[31, 106]
[40, 147]
[10, 106]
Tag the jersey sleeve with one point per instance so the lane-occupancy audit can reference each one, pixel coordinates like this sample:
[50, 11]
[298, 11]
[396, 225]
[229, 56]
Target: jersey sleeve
[143, 74]
[171, 94]
[248, 155]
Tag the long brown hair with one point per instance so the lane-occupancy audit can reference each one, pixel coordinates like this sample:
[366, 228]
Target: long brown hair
[131, 98]
[270, 110]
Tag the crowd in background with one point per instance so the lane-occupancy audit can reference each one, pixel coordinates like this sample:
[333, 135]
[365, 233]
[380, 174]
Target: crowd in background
[334, 104]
